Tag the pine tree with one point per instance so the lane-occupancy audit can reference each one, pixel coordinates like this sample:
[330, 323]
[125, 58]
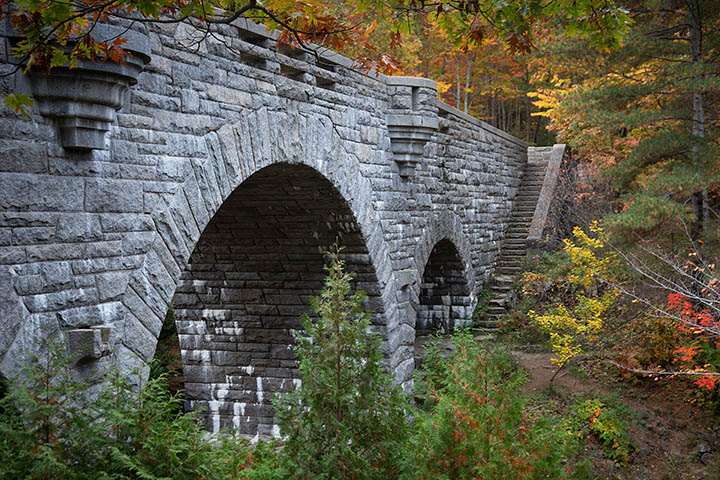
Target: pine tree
[647, 112]
[345, 420]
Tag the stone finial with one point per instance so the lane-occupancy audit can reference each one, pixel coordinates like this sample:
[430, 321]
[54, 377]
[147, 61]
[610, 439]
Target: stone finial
[83, 99]
[412, 119]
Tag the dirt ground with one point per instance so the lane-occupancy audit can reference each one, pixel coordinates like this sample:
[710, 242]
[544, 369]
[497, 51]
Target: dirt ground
[674, 439]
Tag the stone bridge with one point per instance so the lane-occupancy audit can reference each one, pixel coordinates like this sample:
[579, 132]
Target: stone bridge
[211, 181]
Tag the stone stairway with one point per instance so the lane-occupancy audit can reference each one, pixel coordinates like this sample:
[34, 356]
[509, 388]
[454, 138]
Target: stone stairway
[513, 250]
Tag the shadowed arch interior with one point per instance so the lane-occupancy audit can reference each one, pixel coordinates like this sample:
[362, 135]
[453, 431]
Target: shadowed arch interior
[444, 301]
[249, 279]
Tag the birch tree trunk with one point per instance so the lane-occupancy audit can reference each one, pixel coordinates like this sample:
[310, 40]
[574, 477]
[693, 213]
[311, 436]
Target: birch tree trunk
[457, 80]
[467, 79]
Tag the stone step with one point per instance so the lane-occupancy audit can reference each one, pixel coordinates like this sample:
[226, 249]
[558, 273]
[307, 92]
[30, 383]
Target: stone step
[507, 269]
[511, 260]
[494, 312]
[504, 290]
[529, 204]
[504, 278]
[513, 241]
[528, 192]
[488, 324]
[498, 302]
[496, 309]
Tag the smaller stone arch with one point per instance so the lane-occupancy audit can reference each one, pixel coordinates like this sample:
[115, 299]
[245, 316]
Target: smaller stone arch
[444, 302]
[445, 224]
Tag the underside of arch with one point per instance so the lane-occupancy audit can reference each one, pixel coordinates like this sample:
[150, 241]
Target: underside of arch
[249, 279]
[444, 301]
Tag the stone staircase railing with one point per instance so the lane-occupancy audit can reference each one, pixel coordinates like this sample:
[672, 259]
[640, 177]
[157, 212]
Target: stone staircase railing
[527, 223]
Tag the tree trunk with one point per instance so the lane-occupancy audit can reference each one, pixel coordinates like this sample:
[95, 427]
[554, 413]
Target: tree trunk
[504, 114]
[527, 119]
[467, 79]
[457, 80]
[699, 198]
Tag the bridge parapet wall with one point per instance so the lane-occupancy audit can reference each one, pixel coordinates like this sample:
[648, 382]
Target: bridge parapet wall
[102, 237]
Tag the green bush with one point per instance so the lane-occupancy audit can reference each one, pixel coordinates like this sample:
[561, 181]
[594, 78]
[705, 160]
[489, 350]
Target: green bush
[54, 426]
[345, 420]
[607, 422]
[476, 425]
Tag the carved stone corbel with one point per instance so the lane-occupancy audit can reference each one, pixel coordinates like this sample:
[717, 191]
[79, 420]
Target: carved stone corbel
[83, 100]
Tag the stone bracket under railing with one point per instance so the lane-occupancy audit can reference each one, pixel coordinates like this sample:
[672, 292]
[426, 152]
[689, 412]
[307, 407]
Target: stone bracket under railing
[83, 100]
[412, 119]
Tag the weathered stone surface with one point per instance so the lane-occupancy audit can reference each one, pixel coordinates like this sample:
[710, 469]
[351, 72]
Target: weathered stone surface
[222, 185]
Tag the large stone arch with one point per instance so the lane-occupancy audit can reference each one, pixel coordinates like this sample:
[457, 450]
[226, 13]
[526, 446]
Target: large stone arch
[248, 281]
[261, 141]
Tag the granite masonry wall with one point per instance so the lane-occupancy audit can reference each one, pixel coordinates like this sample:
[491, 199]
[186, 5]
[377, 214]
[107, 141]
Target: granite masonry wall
[224, 176]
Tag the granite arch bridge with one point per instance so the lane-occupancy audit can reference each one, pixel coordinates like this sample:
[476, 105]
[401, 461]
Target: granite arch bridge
[214, 190]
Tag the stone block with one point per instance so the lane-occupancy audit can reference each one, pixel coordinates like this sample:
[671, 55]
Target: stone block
[88, 343]
[110, 195]
[33, 193]
[138, 338]
[111, 285]
[86, 316]
[11, 307]
[120, 222]
[12, 255]
[32, 235]
[57, 275]
[80, 227]
[60, 300]
[241, 295]
[23, 156]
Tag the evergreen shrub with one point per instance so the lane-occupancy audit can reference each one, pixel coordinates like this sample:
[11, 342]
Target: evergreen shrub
[53, 426]
[476, 424]
[346, 420]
